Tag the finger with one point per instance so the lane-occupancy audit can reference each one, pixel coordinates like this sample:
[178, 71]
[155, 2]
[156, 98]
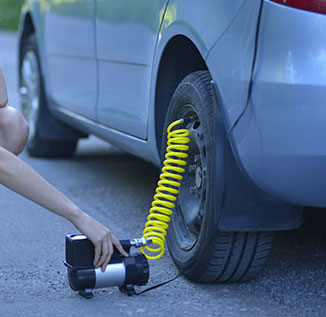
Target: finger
[118, 245]
[98, 249]
[108, 258]
[105, 253]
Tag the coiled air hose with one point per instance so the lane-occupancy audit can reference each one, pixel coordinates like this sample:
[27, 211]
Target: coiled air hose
[167, 191]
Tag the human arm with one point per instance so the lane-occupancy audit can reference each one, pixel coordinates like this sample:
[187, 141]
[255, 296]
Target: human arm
[19, 177]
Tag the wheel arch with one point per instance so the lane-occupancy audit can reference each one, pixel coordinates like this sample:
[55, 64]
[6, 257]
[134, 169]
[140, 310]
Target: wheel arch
[27, 28]
[245, 214]
[31, 23]
[181, 54]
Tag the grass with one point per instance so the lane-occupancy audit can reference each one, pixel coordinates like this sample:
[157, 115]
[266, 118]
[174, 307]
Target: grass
[9, 14]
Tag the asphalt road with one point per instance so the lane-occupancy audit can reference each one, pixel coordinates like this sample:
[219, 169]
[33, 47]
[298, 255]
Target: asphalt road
[116, 188]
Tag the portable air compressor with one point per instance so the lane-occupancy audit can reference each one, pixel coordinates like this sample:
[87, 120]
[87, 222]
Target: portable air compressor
[124, 272]
[127, 272]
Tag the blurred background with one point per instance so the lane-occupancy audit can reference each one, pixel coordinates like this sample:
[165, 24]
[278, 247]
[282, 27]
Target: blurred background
[9, 14]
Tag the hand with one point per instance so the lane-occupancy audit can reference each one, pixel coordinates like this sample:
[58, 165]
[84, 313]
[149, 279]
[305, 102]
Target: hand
[101, 237]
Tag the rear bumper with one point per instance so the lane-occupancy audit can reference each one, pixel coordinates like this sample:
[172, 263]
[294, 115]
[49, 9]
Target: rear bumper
[281, 138]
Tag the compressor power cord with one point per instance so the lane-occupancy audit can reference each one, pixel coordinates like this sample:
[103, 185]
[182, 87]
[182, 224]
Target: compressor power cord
[157, 285]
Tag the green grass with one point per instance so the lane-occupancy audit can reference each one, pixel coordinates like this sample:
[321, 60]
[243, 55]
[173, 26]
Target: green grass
[9, 14]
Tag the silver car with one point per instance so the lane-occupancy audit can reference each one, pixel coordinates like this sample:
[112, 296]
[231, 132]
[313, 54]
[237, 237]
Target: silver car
[250, 73]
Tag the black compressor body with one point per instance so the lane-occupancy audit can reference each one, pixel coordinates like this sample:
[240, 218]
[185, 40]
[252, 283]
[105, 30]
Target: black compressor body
[124, 272]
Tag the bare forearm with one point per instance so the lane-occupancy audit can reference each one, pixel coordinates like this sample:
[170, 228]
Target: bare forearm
[18, 176]
[22, 179]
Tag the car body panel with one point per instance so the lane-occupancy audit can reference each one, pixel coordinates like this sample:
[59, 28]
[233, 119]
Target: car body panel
[185, 18]
[127, 142]
[71, 55]
[127, 33]
[280, 140]
[230, 61]
[207, 22]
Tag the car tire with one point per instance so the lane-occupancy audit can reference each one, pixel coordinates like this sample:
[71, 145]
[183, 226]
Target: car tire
[200, 251]
[42, 142]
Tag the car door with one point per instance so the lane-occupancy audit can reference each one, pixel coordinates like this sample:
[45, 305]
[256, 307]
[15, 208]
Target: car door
[70, 51]
[127, 32]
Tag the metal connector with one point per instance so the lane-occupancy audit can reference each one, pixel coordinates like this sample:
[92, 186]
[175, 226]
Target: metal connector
[188, 119]
[141, 242]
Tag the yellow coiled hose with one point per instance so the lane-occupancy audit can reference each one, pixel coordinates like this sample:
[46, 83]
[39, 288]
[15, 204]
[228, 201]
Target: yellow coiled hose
[167, 191]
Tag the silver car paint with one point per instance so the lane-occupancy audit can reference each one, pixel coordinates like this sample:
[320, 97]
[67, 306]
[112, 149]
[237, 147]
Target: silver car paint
[127, 33]
[178, 20]
[70, 50]
[145, 149]
[281, 139]
[186, 18]
[230, 61]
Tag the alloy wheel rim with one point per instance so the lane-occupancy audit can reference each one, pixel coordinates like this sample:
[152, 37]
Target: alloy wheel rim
[30, 91]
